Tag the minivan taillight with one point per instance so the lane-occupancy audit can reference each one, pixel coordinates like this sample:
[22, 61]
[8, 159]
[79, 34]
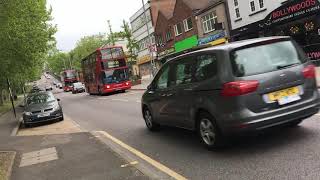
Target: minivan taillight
[309, 72]
[238, 88]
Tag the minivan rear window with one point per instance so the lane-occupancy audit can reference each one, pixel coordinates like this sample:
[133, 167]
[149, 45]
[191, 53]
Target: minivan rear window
[265, 58]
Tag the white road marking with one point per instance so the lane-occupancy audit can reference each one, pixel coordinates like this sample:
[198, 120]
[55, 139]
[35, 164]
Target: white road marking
[131, 93]
[37, 157]
[103, 98]
[122, 100]
[138, 101]
[131, 163]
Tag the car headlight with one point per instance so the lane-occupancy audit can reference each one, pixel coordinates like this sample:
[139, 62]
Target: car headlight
[56, 107]
[27, 113]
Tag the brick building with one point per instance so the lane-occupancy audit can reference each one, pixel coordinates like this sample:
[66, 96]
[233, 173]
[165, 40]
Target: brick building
[176, 26]
[213, 23]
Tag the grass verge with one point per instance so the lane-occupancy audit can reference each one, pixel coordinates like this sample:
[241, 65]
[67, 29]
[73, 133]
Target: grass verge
[7, 105]
[6, 163]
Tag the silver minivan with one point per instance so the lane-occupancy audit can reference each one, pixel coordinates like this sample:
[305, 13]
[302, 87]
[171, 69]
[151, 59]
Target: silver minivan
[234, 88]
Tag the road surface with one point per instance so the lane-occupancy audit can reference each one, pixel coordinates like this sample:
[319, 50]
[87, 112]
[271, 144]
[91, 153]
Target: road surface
[290, 153]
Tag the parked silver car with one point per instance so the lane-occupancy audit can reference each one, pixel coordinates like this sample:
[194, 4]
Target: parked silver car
[41, 107]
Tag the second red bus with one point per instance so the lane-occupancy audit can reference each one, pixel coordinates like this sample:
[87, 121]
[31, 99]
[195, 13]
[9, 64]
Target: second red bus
[105, 71]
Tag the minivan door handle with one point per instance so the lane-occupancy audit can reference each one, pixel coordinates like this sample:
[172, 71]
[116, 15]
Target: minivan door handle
[188, 89]
[151, 92]
[170, 94]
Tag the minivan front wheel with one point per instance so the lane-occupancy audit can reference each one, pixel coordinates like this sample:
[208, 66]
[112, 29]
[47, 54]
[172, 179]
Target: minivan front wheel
[148, 118]
[208, 131]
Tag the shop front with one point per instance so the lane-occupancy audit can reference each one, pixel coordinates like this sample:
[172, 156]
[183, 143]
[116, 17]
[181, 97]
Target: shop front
[299, 19]
[162, 56]
[253, 30]
[187, 43]
[144, 64]
[214, 39]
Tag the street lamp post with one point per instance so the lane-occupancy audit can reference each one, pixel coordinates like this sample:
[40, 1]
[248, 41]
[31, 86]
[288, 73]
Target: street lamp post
[153, 67]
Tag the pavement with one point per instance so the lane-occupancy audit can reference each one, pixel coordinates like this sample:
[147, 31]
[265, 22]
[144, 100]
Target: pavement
[145, 81]
[78, 155]
[61, 151]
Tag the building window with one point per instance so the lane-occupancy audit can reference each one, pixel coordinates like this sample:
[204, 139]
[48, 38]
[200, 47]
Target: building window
[261, 4]
[152, 39]
[236, 8]
[256, 6]
[178, 29]
[236, 3]
[208, 22]
[252, 6]
[168, 35]
[237, 12]
[187, 23]
[160, 40]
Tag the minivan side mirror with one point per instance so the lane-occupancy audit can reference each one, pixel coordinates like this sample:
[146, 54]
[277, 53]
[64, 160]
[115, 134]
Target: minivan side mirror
[151, 87]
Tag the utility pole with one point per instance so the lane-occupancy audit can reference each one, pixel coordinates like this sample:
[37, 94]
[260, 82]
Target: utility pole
[153, 67]
[111, 33]
[11, 98]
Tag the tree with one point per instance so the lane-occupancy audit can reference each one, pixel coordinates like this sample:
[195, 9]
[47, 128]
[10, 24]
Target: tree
[57, 61]
[85, 47]
[25, 35]
[132, 43]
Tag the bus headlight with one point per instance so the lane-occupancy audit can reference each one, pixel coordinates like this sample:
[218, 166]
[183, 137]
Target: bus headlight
[127, 83]
[108, 87]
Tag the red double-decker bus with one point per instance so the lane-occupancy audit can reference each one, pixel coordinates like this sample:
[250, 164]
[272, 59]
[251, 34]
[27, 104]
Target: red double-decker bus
[68, 77]
[105, 71]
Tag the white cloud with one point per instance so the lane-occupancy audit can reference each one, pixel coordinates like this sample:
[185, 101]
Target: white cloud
[77, 18]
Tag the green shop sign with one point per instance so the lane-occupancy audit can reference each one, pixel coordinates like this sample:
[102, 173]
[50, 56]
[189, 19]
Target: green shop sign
[186, 43]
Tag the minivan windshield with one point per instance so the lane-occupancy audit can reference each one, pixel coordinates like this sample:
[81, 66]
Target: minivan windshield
[265, 58]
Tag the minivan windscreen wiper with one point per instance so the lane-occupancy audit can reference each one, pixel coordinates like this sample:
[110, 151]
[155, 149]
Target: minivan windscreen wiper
[286, 66]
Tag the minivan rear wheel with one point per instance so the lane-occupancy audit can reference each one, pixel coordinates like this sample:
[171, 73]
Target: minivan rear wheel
[148, 118]
[208, 131]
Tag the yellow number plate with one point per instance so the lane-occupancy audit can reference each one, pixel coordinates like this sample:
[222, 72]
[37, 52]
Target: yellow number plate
[283, 93]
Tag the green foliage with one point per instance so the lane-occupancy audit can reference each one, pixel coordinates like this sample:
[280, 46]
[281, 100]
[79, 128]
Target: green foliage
[58, 61]
[132, 43]
[25, 35]
[85, 47]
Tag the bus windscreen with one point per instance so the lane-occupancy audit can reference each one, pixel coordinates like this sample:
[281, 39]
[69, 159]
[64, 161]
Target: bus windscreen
[115, 76]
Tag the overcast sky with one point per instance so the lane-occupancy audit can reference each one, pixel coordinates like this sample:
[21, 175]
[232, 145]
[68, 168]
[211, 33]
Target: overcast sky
[78, 18]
